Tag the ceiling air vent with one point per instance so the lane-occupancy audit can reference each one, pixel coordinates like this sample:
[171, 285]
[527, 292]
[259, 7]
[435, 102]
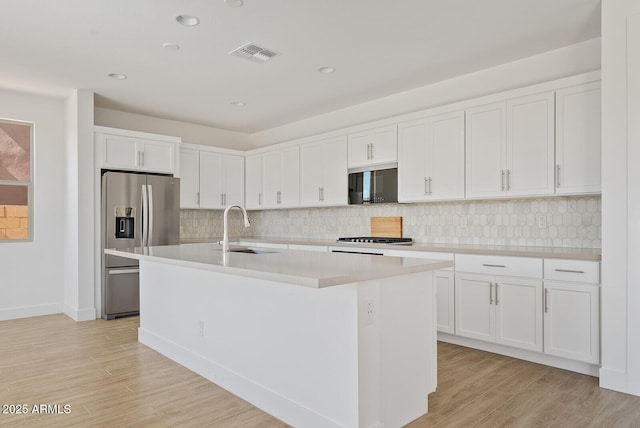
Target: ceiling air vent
[253, 53]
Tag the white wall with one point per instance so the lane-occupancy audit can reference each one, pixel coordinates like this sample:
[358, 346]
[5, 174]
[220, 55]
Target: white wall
[32, 273]
[80, 220]
[574, 59]
[620, 199]
[189, 132]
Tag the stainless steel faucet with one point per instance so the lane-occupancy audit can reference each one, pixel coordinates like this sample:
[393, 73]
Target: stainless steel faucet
[225, 236]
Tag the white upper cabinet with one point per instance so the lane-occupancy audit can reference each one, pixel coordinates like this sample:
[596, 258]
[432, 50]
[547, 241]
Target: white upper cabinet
[253, 182]
[136, 151]
[323, 172]
[211, 180]
[189, 178]
[233, 180]
[431, 158]
[578, 139]
[486, 144]
[510, 147]
[530, 145]
[373, 147]
[281, 178]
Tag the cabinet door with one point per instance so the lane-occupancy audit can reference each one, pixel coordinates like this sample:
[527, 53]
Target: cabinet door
[485, 139]
[578, 139]
[253, 182]
[334, 180]
[358, 149]
[445, 306]
[571, 321]
[445, 163]
[412, 159]
[474, 314]
[233, 180]
[530, 145]
[290, 177]
[518, 306]
[271, 178]
[384, 145]
[312, 164]
[375, 146]
[210, 180]
[189, 178]
[121, 152]
[156, 156]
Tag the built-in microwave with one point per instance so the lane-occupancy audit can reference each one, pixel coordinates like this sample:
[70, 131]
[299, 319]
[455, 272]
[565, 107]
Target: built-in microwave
[373, 186]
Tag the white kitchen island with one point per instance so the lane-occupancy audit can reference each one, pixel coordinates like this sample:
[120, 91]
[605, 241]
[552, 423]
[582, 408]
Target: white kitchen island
[315, 339]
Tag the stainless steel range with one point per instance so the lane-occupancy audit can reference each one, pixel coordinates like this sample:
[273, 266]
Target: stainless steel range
[377, 240]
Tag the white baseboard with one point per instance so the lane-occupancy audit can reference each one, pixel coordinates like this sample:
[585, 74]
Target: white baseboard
[30, 311]
[535, 357]
[76, 314]
[615, 380]
[271, 402]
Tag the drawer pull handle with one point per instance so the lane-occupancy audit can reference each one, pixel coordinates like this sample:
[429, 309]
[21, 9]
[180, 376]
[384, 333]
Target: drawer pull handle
[546, 300]
[569, 271]
[488, 265]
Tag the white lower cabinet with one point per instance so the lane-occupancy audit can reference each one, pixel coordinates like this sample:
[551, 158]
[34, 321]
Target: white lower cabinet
[445, 301]
[504, 310]
[571, 321]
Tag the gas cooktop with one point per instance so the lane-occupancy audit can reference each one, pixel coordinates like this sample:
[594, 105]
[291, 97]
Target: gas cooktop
[377, 240]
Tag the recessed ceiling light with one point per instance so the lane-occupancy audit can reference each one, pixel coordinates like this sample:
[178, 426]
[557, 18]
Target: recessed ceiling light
[187, 20]
[326, 70]
[118, 76]
[233, 3]
[170, 46]
[238, 104]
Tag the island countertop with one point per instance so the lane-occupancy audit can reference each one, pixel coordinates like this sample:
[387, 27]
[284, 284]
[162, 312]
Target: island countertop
[305, 268]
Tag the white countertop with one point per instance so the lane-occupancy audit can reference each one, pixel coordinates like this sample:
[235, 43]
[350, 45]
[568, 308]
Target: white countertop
[306, 268]
[593, 254]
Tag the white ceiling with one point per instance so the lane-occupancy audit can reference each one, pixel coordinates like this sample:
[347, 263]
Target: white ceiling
[377, 47]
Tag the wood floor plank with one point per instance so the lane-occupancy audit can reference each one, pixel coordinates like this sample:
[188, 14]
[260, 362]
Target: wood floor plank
[109, 379]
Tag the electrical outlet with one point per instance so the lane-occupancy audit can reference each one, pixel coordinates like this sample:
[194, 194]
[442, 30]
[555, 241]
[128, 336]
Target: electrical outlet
[200, 328]
[542, 222]
[370, 313]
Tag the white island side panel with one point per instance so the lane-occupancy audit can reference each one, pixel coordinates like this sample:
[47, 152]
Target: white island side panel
[308, 356]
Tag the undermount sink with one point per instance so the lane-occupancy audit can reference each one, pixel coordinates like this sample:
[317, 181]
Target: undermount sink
[251, 250]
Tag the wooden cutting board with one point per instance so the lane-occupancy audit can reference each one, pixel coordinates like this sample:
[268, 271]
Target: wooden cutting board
[386, 227]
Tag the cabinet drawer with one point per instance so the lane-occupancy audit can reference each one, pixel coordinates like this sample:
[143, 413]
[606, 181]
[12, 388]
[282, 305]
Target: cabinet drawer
[572, 270]
[499, 265]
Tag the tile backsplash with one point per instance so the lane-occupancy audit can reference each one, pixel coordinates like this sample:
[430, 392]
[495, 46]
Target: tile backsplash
[572, 222]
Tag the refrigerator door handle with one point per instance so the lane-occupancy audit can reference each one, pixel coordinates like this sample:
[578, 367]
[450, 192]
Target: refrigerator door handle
[150, 220]
[145, 218]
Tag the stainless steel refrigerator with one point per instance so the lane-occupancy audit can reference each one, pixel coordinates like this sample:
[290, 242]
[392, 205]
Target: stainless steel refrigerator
[138, 210]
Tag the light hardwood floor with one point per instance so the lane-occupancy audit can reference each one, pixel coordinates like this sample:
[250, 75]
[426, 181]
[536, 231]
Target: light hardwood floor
[108, 379]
